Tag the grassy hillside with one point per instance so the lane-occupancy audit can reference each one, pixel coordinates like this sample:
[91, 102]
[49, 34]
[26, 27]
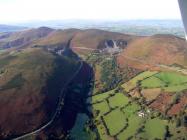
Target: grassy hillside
[30, 82]
[154, 50]
[90, 38]
[22, 38]
[58, 37]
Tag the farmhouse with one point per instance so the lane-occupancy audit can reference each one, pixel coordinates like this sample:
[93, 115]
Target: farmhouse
[141, 114]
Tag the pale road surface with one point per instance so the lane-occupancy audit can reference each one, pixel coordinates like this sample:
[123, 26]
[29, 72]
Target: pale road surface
[84, 48]
[58, 109]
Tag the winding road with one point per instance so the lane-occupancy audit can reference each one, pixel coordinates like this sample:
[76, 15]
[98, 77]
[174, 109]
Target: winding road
[62, 95]
[58, 109]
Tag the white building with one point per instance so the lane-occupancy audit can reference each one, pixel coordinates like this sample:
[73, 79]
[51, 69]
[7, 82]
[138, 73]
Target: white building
[141, 114]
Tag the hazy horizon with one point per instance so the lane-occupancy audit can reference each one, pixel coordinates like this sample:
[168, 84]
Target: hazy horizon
[24, 11]
[136, 27]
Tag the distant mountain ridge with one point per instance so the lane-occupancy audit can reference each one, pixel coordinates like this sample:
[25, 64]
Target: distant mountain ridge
[10, 28]
[135, 27]
[152, 48]
[21, 38]
[44, 36]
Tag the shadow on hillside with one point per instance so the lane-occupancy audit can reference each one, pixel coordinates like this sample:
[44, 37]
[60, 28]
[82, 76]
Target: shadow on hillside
[76, 94]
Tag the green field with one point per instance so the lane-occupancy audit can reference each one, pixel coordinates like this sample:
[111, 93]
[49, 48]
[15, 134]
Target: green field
[123, 121]
[115, 121]
[101, 107]
[154, 128]
[100, 97]
[134, 123]
[168, 81]
[102, 131]
[131, 109]
[176, 88]
[133, 82]
[172, 78]
[118, 100]
[152, 82]
[119, 114]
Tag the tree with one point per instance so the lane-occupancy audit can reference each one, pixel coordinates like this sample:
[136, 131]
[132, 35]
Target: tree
[167, 134]
[184, 121]
[178, 122]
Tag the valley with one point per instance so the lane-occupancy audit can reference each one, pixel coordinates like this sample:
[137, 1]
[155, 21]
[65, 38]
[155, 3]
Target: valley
[135, 108]
[92, 84]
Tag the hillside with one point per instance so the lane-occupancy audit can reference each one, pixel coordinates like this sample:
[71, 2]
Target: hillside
[154, 50]
[74, 84]
[22, 38]
[30, 83]
[91, 38]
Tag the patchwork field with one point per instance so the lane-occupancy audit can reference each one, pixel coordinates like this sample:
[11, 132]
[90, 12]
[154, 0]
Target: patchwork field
[100, 97]
[168, 81]
[133, 82]
[152, 83]
[117, 115]
[134, 123]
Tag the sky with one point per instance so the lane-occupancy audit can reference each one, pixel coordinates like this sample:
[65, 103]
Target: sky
[15, 11]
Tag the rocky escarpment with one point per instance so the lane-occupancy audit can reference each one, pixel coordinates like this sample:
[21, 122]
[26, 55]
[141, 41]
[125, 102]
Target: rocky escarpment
[112, 46]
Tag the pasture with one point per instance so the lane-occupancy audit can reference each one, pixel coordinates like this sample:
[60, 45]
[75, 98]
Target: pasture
[118, 100]
[115, 121]
[133, 82]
